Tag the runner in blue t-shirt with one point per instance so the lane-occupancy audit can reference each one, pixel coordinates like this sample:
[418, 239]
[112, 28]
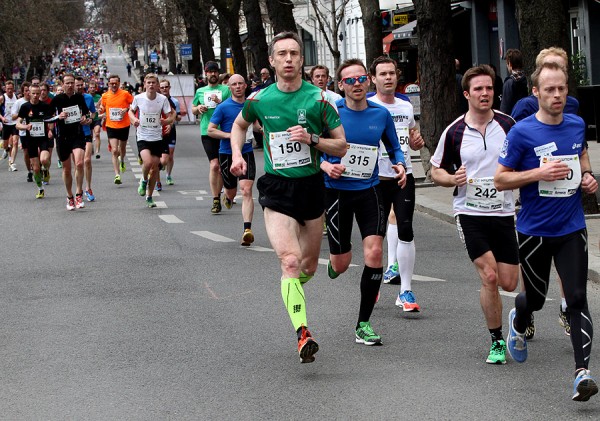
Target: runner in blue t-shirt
[352, 189]
[523, 109]
[219, 127]
[87, 133]
[545, 157]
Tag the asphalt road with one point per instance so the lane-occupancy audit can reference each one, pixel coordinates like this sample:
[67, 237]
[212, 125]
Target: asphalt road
[118, 311]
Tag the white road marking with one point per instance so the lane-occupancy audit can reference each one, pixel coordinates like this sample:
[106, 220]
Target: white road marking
[138, 176]
[161, 205]
[427, 279]
[199, 198]
[212, 236]
[192, 192]
[136, 169]
[513, 294]
[170, 219]
[259, 248]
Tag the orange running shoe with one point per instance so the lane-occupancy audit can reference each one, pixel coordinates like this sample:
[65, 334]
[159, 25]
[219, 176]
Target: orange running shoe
[307, 346]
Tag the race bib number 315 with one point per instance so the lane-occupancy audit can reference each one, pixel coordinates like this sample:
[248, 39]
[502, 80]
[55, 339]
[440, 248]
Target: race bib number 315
[359, 161]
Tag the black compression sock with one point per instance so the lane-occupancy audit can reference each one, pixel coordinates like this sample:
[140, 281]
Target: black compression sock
[369, 287]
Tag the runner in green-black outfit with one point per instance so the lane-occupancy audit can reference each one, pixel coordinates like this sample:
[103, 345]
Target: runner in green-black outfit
[294, 115]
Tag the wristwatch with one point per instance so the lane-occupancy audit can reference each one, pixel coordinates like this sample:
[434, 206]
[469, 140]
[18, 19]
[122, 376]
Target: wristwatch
[314, 139]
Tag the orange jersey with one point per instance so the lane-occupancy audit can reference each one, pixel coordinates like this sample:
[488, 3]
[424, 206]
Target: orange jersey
[113, 104]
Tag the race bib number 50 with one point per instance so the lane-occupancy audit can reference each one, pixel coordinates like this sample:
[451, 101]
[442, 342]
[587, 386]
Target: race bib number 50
[288, 154]
[565, 187]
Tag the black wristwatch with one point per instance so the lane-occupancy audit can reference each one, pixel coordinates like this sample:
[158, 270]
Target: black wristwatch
[314, 139]
[590, 172]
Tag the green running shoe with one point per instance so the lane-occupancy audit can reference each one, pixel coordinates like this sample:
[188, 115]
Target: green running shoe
[365, 334]
[497, 353]
[142, 187]
[117, 179]
[170, 181]
[150, 202]
[122, 165]
[330, 272]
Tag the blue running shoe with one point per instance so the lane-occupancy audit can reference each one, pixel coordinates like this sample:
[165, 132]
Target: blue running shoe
[408, 302]
[391, 275]
[584, 386]
[516, 342]
[89, 195]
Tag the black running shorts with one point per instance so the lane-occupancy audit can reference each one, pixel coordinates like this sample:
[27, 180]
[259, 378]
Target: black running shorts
[497, 234]
[298, 198]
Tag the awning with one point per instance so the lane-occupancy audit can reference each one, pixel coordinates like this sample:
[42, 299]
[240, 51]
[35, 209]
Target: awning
[405, 31]
[387, 40]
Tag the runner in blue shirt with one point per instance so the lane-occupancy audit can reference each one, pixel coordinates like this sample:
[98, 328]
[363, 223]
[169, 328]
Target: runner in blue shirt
[352, 189]
[219, 127]
[545, 157]
[87, 133]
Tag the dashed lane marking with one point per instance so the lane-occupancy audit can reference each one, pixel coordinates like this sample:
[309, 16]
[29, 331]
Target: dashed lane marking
[212, 236]
[170, 219]
[160, 204]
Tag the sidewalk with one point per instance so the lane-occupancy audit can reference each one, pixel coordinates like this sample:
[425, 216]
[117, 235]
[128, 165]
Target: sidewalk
[437, 202]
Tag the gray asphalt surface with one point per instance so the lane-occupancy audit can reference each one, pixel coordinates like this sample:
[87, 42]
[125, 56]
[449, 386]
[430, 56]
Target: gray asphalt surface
[112, 313]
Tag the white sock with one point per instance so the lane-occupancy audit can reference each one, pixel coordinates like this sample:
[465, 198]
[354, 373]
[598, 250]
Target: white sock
[563, 304]
[392, 243]
[406, 264]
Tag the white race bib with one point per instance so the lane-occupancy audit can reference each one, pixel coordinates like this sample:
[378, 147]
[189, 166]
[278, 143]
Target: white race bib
[150, 120]
[208, 98]
[116, 114]
[37, 129]
[483, 196]
[359, 161]
[73, 114]
[565, 187]
[287, 154]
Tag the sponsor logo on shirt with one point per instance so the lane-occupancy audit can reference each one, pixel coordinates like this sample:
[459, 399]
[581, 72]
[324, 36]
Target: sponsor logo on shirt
[302, 116]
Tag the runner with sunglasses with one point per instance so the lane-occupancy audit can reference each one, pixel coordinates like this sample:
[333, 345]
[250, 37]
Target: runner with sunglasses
[352, 189]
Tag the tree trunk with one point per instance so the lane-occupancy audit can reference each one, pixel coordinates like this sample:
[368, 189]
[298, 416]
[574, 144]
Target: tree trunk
[373, 29]
[437, 77]
[197, 28]
[542, 24]
[230, 16]
[281, 15]
[256, 42]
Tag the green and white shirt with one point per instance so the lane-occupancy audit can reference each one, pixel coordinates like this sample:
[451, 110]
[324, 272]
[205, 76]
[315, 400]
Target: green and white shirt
[204, 97]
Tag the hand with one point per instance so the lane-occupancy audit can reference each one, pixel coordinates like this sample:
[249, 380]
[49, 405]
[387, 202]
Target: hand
[554, 170]
[238, 166]
[62, 115]
[334, 171]
[135, 122]
[167, 129]
[202, 109]
[589, 184]
[415, 140]
[298, 134]
[400, 174]
[216, 99]
[460, 176]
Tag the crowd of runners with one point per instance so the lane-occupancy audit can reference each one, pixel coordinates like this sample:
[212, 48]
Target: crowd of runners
[331, 161]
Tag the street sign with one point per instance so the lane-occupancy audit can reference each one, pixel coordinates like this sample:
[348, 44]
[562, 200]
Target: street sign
[185, 50]
[401, 19]
[153, 57]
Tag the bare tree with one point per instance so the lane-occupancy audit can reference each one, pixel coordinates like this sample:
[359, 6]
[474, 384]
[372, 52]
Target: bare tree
[34, 35]
[371, 16]
[437, 77]
[257, 40]
[281, 15]
[229, 11]
[330, 17]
